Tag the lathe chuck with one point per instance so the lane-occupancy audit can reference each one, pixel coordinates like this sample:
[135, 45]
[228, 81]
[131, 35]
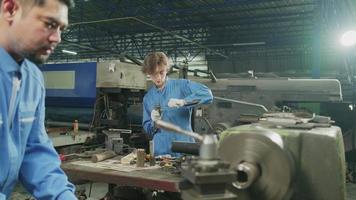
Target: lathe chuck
[264, 168]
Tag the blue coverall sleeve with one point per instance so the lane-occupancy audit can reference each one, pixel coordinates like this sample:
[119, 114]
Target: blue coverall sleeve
[147, 122]
[197, 92]
[40, 171]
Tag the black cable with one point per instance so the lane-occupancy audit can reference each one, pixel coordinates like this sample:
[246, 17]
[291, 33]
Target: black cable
[90, 187]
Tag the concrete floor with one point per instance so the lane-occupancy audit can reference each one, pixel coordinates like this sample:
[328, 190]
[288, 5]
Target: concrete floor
[98, 190]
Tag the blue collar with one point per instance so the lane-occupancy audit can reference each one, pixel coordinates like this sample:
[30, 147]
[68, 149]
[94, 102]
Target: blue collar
[8, 64]
[164, 87]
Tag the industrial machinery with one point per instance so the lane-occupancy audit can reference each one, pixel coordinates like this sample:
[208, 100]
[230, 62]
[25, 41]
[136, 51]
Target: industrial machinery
[268, 92]
[120, 90]
[98, 96]
[205, 178]
[240, 101]
[276, 155]
[284, 156]
[121, 87]
[70, 97]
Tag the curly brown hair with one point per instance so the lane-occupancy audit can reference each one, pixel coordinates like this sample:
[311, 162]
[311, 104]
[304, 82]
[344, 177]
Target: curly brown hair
[153, 60]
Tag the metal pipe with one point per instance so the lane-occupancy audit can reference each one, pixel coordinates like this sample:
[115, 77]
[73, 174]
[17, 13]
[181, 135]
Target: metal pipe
[171, 127]
[186, 147]
[242, 102]
[208, 147]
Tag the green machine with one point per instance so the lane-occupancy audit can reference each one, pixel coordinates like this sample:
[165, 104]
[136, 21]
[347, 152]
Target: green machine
[286, 156]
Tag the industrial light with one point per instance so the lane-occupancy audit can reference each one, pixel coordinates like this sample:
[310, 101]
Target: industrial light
[248, 43]
[348, 38]
[69, 52]
[351, 107]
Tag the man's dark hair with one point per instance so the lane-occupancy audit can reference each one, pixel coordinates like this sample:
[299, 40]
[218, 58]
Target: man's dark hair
[69, 3]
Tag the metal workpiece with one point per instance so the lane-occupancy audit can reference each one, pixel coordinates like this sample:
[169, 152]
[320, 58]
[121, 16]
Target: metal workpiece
[247, 174]
[265, 170]
[208, 147]
[209, 143]
[186, 147]
[103, 156]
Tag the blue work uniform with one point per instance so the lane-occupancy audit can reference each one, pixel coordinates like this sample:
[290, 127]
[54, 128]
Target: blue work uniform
[178, 89]
[26, 152]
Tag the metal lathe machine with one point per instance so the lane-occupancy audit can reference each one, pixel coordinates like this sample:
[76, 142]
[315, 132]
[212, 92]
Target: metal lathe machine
[283, 156]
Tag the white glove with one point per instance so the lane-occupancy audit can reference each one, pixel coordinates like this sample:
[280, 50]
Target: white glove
[176, 103]
[155, 115]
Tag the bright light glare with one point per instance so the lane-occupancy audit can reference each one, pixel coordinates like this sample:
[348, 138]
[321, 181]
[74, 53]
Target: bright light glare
[348, 38]
[69, 52]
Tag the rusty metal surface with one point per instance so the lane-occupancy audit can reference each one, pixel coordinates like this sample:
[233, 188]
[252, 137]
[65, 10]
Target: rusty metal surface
[151, 179]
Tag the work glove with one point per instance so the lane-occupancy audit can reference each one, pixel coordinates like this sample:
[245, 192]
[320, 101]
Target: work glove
[155, 115]
[176, 103]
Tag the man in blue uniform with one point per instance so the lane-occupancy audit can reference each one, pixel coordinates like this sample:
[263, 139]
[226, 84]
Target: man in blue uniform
[170, 100]
[30, 31]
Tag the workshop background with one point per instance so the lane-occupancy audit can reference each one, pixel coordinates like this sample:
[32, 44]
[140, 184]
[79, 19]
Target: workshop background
[253, 51]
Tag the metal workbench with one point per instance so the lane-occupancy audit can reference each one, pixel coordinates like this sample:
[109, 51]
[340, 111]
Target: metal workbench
[151, 179]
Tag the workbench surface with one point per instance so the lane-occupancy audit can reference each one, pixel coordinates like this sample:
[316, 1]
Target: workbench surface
[148, 178]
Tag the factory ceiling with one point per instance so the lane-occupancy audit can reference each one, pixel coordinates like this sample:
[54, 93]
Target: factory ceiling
[217, 29]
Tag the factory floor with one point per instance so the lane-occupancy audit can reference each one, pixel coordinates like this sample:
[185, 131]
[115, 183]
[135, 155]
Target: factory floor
[97, 191]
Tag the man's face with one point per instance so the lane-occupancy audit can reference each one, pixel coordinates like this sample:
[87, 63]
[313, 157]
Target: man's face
[159, 76]
[37, 30]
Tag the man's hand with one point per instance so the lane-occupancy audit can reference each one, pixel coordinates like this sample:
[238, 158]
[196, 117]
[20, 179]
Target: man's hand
[155, 115]
[176, 103]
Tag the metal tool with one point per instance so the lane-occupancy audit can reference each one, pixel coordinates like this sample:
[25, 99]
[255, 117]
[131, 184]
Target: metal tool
[161, 109]
[174, 128]
[206, 178]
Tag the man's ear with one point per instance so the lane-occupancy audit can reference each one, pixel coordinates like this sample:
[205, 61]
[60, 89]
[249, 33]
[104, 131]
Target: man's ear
[9, 8]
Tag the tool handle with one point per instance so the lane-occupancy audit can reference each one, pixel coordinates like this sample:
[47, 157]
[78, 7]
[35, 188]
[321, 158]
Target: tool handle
[102, 156]
[171, 127]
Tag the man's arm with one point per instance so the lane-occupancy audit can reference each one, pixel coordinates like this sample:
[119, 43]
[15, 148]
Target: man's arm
[147, 123]
[40, 171]
[197, 93]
